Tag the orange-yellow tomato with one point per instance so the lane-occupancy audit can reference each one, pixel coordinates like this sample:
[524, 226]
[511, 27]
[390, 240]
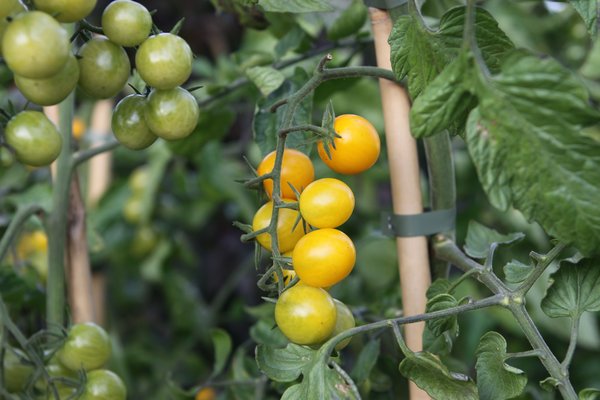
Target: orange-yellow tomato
[296, 170]
[287, 234]
[305, 314]
[206, 393]
[78, 128]
[326, 203]
[357, 148]
[323, 257]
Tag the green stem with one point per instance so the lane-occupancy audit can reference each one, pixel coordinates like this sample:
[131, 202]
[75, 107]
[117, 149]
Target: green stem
[541, 266]
[84, 155]
[572, 345]
[57, 221]
[322, 132]
[347, 378]
[21, 216]
[523, 354]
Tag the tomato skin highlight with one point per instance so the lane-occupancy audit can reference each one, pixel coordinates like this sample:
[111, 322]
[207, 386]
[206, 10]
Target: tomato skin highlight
[126, 23]
[34, 138]
[8, 8]
[66, 10]
[35, 46]
[356, 150]
[305, 314]
[296, 169]
[326, 203]
[128, 123]
[287, 237]
[164, 61]
[103, 68]
[103, 384]
[51, 90]
[171, 114]
[323, 257]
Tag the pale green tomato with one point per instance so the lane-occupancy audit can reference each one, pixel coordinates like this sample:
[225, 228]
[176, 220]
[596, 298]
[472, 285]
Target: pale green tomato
[164, 61]
[128, 123]
[171, 114]
[66, 10]
[126, 22]
[34, 138]
[103, 68]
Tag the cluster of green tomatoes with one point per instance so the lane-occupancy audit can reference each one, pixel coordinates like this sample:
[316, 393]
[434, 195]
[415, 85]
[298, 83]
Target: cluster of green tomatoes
[37, 48]
[74, 371]
[321, 255]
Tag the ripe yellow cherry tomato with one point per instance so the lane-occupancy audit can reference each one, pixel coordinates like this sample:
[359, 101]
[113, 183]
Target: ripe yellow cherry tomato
[357, 148]
[206, 393]
[296, 169]
[306, 315]
[287, 237]
[326, 203]
[343, 322]
[323, 257]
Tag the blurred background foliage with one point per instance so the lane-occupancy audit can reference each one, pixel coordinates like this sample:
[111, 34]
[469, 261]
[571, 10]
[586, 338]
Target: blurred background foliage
[162, 236]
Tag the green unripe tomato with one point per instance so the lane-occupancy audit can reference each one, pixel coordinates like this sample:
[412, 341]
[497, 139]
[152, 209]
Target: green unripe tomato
[171, 114]
[344, 321]
[52, 90]
[7, 158]
[103, 68]
[126, 22]
[34, 138]
[349, 22]
[8, 8]
[103, 384]
[164, 61]
[66, 10]
[35, 45]
[129, 125]
[87, 346]
[16, 373]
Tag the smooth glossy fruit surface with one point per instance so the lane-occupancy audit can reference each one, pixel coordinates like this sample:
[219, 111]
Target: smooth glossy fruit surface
[103, 384]
[34, 138]
[344, 321]
[126, 22]
[52, 90]
[35, 45]
[171, 114]
[356, 150]
[103, 68]
[66, 10]
[164, 61]
[306, 315]
[296, 169]
[8, 8]
[323, 257]
[287, 234]
[326, 203]
[16, 372]
[87, 346]
[129, 125]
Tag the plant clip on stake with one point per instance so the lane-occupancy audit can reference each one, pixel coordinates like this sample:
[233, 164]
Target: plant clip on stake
[413, 259]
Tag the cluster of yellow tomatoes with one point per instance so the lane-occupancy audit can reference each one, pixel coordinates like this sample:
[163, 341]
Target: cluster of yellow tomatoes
[321, 255]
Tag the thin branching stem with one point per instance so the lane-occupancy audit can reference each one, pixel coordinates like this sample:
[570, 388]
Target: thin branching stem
[572, 344]
[543, 262]
[21, 216]
[84, 155]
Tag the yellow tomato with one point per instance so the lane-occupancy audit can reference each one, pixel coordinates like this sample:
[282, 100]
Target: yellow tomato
[287, 237]
[357, 148]
[323, 257]
[31, 243]
[305, 314]
[326, 203]
[296, 169]
[206, 393]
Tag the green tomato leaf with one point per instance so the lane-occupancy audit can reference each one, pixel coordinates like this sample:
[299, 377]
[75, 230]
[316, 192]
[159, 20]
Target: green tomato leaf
[39, 194]
[480, 238]
[516, 272]
[294, 6]
[549, 384]
[266, 124]
[431, 375]
[284, 365]
[266, 79]
[526, 143]
[366, 361]
[419, 53]
[320, 383]
[349, 21]
[440, 302]
[439, 344]
[589, 394]
[442, 100]
[265, 332]
[496, 380]
[589, 11]
[574, 289]
[222, 344]
[439, 286]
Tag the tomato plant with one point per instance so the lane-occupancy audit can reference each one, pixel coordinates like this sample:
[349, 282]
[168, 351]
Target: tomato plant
[297, 171]
[289, 232]
[326, 203]
[104, 385]
[34, 138]
[87, 347]
[164, 61]
[66, 11]
[129, 124]
[126, 23]
[171, 114]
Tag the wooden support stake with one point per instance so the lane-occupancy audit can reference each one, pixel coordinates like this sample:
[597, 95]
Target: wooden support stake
[413, 259]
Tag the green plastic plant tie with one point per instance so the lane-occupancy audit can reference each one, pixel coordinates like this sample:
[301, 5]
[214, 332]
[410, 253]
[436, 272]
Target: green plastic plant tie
[424, 224]
[385, 4]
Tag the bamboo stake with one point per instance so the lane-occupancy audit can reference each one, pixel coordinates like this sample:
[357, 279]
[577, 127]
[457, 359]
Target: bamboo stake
[413, 259]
